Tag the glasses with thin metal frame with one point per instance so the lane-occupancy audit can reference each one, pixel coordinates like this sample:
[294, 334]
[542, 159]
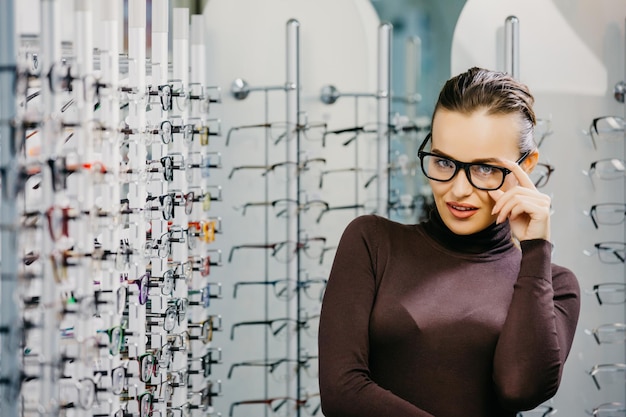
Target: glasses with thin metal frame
[85, 392]
[612, 409]
[287, 288]
[285, 251]
[145, 402]
[363, 175]
[610, 370]
[353, 131]
[283, 207]
[609, 214]
[481, 176]
[606, 128]
[606, 169]
[543, 129]
[143, 285]
[609, 252]
[541, 411]
[277, 405]
[540, 175]
[608, 333]
[206, 196]
[175, 314]
[205, 162]
[275, 326]
[206, 294]
[212, 356]
[313, 131]
[212, 324]
[610, 293]
[270, 364]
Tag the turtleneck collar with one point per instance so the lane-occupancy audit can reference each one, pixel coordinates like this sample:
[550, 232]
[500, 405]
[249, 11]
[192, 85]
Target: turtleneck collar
[494, 239]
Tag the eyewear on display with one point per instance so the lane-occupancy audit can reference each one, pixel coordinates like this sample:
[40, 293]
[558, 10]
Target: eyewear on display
[298, 167]
[482, 176]
[541, 174]
[610, 214]
[606, 128]
[143, 286]
[606, 169]
[540, 411]
[145, 403]
[275, 326]
[205, 162]
[206, 294]
[206, 196]
[363, 175]
[610, 293]
[543, 129]
[277, 405]
[609, 333]
[174, 315]
[609, 369]
[609, 252]
[285, 251]
[287, 288]
[211, 357]
[612, 409]
[270, 364]
[277, 131]
[355, 131]
[207, 327]
[283, 207]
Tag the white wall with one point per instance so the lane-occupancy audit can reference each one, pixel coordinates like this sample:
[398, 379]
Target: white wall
[571, 56]
[246, 39]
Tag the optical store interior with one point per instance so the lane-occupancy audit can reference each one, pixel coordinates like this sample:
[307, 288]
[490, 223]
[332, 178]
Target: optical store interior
[176, 176]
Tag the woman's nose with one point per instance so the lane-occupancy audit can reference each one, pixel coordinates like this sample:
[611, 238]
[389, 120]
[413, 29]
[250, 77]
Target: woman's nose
[461, 187]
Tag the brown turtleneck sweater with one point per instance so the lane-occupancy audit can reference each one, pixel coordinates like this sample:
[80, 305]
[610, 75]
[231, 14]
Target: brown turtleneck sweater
[417, 321]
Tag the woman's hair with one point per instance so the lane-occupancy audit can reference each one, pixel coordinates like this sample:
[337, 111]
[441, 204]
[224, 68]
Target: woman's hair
[497, 92]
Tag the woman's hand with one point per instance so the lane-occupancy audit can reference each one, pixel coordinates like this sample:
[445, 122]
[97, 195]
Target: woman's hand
[527, 209]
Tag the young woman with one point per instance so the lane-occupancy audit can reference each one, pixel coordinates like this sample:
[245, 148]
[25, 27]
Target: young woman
[463, 315]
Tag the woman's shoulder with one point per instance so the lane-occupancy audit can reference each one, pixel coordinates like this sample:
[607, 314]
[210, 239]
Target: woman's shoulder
[564, 279]
[373, 223]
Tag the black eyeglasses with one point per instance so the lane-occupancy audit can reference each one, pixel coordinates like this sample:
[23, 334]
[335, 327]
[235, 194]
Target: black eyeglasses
[541, 174]
[482, 176]
[606, 128]
[607, 214]
[610, 293]
[609, 252]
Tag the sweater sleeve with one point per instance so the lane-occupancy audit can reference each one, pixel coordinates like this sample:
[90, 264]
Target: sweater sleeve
[538, 332]
[346, 388]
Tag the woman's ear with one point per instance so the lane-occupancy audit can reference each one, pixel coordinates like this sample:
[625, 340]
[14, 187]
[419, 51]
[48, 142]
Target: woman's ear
[530, 162]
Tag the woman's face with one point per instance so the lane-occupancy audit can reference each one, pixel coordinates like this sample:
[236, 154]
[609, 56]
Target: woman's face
[475, 137]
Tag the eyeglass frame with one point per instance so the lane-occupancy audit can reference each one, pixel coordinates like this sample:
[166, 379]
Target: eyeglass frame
[458, 165]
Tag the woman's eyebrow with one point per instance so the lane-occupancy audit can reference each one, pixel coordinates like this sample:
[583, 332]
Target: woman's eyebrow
[475, 161]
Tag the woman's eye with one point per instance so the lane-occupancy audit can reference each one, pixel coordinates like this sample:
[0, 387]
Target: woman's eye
[444, 163]
[485, 170]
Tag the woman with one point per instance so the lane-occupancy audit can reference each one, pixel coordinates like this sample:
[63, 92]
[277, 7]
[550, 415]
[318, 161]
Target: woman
[463, 315]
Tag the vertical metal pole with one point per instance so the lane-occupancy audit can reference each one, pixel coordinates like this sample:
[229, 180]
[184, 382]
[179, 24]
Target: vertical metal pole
[293, 182]
[49, 357]
[413, 74]
[384, 108]
[511, 46]
[10, 371]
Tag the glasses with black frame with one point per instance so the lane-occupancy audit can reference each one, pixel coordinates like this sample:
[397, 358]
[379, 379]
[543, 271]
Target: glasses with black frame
[481, 175]
[541, 174]
[610, 293]
[609, 252]
[607, 214]
[612, 409]
[606, 128]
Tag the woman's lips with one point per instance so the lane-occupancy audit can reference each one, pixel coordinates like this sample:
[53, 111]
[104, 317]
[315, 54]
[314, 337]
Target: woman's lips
[461, 211]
